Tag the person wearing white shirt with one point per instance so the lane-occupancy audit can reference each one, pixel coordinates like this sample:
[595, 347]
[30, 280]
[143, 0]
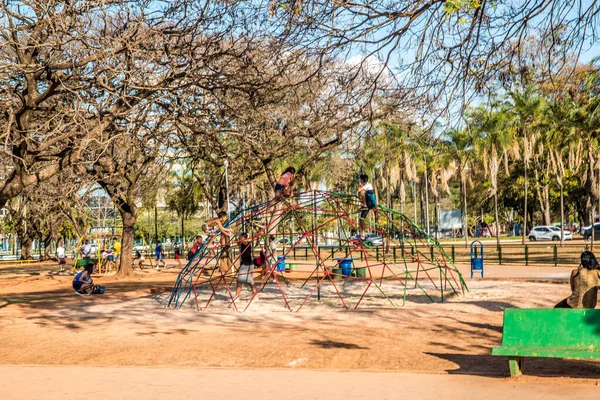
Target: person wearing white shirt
[61, 255]
[86, 249]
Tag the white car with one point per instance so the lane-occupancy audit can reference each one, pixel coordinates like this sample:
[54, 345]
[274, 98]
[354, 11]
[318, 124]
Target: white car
[548, 232]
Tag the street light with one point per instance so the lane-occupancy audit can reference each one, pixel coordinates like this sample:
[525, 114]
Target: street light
[226, 164]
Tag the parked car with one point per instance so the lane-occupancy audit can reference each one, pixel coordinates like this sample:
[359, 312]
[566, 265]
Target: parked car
[548, 232]
[587, 232]
[373, 240]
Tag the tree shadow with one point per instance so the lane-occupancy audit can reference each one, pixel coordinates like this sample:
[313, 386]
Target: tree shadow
[330, 344]
[495, 366]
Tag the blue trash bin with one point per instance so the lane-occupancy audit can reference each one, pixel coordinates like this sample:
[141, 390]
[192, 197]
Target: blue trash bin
[280, 266]
[346, 266]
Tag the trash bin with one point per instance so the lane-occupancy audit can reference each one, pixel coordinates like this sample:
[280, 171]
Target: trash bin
[345, 264]
[280, 266]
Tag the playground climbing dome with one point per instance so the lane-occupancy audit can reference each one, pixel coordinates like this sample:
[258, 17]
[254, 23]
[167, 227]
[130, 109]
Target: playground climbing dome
[320, 259]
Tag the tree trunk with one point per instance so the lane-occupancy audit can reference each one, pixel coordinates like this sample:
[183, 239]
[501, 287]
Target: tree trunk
[525, 208]
[546, 205]
[496, 217]
[125, 265]
[26, 242]
[422, 216]
[562, 215]
[463, 187]
[182, 232]
[47, 247]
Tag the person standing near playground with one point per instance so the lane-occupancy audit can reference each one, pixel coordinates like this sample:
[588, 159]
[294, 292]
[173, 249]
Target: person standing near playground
[116, 248]
[272, 249]
[367, 197]
[246, 267]
[86, 249]
[584, 284]
[61, 256]
[285, 185]
[158, 252]
[177, 252]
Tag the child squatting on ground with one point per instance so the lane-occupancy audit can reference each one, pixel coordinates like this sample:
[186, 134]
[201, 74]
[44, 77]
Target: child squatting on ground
[83, 282]
[246, 267]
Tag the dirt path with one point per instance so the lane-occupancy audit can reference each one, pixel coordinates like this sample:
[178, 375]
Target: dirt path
[43, 323]
[172, 383]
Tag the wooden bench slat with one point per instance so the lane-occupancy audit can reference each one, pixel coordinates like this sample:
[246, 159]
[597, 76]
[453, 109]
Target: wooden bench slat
[546, 352]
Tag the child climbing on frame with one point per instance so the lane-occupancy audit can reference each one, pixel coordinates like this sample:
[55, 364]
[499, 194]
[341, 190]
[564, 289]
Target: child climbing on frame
[367, 197]
[209, 227]
[285, 185]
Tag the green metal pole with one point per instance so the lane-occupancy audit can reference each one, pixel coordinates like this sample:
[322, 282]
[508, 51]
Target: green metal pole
[555, 255]
[526, 255]
[500, 255]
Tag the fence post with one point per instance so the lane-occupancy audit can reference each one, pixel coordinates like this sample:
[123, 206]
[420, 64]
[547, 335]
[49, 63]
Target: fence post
[453, 254]
[526, 255]
[431, 251]
[412, 249]
[332, 253]
[394, 255]
[306, 253]
[500, 255]
[377, 253]
[555, 256]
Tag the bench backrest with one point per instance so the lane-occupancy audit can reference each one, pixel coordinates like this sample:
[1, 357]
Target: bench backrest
[551, 328]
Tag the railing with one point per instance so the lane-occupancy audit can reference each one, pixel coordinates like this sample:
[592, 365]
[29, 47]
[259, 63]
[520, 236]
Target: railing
[547, 254]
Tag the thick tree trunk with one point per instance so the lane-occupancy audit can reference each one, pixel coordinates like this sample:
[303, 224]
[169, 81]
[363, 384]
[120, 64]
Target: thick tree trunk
[26, 242]
[126, 266]
[47, 247]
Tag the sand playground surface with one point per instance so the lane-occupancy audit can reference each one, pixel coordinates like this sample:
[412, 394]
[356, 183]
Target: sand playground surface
[48, 331]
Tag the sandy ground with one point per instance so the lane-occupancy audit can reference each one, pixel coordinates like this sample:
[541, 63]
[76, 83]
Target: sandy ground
[43, 323]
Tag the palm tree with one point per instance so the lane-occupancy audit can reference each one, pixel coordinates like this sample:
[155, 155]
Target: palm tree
[458, 145]
[522, 118]
[496, 144]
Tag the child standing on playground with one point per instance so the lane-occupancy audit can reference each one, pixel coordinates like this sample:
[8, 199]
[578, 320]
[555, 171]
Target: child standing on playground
[211, 225]
[246, 267]
[158, 252]
[116, 249]
[367, 197]
[177, 252]
[61, 256]
[285, 185]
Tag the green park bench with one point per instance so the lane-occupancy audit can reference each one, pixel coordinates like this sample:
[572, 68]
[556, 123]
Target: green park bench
[548, 333]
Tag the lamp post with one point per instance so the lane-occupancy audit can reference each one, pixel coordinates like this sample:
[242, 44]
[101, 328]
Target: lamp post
[226, 164]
